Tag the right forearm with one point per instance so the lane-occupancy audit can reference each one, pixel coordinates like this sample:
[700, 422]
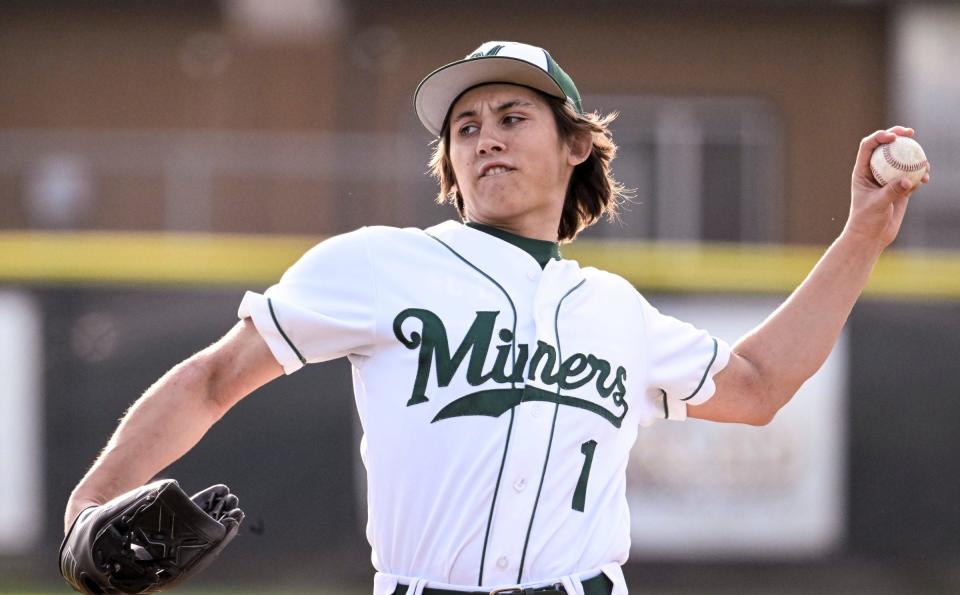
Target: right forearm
[160, 427]
[175, 413]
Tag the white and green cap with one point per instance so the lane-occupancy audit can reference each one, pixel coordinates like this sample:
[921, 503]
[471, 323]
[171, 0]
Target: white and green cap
[493, 62]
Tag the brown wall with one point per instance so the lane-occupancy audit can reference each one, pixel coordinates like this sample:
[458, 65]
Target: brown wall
[824, 68]
[119, 66]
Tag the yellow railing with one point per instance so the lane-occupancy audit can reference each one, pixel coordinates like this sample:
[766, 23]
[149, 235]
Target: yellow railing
[99, 258]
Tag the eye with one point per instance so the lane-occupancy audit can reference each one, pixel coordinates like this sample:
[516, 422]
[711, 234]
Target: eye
[513, 119]
[467, 130]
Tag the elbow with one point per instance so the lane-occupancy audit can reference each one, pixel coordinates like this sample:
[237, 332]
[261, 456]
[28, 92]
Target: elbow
[762, 417]
[771, 391]
[766, 397]
[754, 395]
[769, 403]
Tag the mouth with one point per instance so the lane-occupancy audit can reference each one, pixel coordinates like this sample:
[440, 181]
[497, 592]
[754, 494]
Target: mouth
[497, 170]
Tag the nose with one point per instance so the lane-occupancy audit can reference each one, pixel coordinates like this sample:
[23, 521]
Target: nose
[488, 142]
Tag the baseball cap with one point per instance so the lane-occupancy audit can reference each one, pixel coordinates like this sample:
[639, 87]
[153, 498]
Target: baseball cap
[493, 62]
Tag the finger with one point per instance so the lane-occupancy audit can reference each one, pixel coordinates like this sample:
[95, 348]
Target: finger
[902, 186]
[867, 145]
[926, 178]
[217, 507]
[900, 206]
[871, 142]
[211, 492]
[230, 502]
[901, 130]
[208, 498]
[233, 518]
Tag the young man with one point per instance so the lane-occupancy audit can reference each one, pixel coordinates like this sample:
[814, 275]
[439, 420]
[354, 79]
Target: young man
[499, 386]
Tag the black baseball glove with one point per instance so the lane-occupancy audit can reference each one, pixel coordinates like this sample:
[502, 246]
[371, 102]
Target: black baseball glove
[149, 539]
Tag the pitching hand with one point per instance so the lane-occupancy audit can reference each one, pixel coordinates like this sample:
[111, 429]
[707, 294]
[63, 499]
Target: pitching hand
[876, 212]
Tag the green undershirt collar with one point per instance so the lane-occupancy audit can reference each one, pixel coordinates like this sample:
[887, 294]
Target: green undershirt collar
[541, 250]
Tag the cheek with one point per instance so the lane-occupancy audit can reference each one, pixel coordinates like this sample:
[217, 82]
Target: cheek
[459, 163]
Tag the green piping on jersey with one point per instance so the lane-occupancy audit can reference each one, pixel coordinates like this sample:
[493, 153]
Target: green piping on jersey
[273, 315]
[506, 446]
[553, 427]
[705, 373]
[496, 490]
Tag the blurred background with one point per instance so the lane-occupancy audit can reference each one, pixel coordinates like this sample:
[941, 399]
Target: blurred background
[157, 159]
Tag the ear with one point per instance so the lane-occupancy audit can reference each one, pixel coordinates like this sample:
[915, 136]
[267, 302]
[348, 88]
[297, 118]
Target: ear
[579, 146]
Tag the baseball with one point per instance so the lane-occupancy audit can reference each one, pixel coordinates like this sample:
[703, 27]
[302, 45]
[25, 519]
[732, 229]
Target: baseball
[902, 157]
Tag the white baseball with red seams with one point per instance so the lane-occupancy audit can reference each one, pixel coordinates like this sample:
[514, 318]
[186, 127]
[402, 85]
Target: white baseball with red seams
[902, 157]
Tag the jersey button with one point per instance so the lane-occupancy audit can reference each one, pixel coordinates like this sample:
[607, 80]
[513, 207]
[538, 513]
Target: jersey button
[532, 275]
[536, 410]
[502, 562]
[520, 484]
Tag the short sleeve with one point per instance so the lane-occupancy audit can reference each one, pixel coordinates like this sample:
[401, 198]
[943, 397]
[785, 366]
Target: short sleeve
[682, 362]
[323, 306]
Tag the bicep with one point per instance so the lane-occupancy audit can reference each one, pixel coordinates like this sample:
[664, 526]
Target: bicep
[239, 363]
[739, 397]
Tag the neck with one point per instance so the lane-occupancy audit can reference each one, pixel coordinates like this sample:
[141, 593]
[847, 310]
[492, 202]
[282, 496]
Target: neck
[542, 251]
[534, 231]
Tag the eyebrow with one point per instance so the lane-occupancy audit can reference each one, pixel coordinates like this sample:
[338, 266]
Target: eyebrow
[500, 108]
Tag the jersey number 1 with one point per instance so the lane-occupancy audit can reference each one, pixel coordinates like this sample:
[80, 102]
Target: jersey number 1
[580, 494]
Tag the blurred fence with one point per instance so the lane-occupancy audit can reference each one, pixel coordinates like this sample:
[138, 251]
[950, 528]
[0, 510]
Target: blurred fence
[207, 180]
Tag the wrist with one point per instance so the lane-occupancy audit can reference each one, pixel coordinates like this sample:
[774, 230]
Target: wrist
[81, 497]
[84, 492]
[84, 500]
[75, 507]
[860, 243]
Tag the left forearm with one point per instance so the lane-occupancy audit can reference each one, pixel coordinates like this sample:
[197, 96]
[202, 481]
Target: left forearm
[770, 363]
[794, 341]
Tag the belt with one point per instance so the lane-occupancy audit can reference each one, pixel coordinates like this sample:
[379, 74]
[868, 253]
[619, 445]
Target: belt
[598, 585]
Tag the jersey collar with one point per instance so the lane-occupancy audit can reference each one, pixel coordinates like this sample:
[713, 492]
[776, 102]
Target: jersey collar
[541, 250]
[507, 262]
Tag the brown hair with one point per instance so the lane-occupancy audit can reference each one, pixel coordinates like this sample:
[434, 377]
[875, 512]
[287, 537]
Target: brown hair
[592, 191]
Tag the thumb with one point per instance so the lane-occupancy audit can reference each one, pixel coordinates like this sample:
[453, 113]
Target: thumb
[901, 186]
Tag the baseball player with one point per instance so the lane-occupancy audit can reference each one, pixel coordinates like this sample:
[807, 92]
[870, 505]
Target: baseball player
[499, 385]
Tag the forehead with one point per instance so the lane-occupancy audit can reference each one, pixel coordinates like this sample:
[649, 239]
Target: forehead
[495, 94]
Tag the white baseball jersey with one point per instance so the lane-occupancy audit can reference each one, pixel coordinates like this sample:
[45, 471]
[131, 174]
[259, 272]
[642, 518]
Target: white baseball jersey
[499, 400]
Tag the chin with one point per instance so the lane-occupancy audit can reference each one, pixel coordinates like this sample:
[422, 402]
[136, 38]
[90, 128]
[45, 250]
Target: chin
[503, 197]
[498, 210]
